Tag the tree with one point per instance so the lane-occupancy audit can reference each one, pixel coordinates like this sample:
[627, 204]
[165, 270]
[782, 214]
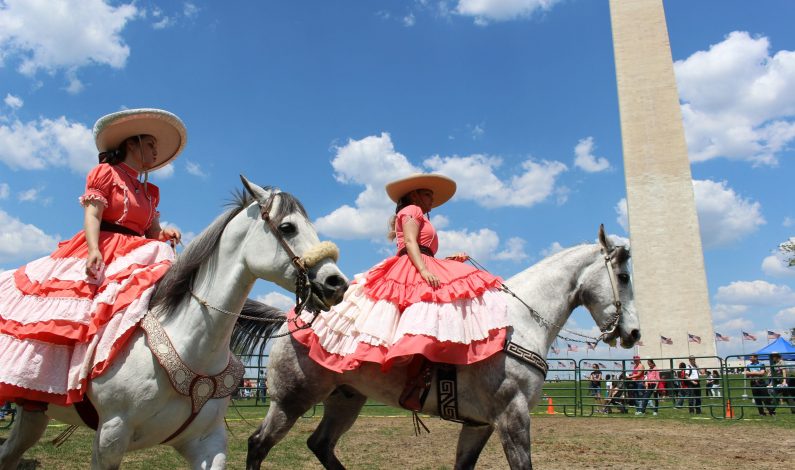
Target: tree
[788, 250]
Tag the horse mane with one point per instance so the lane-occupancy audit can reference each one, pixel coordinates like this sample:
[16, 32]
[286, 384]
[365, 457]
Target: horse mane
[250, 334]
[177, 282]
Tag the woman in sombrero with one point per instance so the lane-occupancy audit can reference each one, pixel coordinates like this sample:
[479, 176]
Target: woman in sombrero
[64, 317]
[412, 308]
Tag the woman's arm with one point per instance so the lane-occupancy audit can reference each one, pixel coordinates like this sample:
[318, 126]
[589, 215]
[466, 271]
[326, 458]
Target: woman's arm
[167, 234]
[411, 233]
[91, 220]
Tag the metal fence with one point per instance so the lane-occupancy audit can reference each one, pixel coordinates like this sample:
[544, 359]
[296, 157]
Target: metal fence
[722, 390]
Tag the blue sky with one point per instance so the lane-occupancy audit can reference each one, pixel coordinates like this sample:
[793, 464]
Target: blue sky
[515, 99]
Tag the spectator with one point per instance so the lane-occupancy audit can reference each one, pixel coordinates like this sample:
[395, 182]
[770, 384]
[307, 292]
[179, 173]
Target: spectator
[779, 391]
[5, 410]
[634, 384]
[595, 384]
[651, 383]
[757, 372]
[716, 389]
[694, 386]
[608, 385]
[682, 389]
[615, 397]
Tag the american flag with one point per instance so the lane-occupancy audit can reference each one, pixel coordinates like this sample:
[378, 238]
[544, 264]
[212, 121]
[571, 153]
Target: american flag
[665, 340]
[591, 345]
[772, 335]
[616, 363]
[749, 336]
[561, 364]
[571, 347]
[555, 350]
[720, 337]
[693, 338]
[602, 365]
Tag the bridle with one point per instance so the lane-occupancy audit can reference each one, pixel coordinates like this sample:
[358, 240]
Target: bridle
[303, 289]
[612, 324]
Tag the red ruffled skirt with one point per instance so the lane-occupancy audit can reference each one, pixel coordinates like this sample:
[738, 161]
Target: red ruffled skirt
[390, 313]
[58, 328]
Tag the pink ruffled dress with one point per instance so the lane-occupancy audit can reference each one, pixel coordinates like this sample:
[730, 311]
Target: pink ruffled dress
[58, 328]
[390, 313]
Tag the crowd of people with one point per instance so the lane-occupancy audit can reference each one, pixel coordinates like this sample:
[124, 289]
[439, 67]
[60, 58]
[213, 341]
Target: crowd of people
[643, 387]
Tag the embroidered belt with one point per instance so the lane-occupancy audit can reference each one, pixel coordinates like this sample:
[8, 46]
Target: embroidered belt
[110, 227]
[200, 388]
[527, 356]
[423, 249]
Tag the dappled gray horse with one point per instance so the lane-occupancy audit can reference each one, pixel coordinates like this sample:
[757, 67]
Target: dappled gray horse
[496, 393]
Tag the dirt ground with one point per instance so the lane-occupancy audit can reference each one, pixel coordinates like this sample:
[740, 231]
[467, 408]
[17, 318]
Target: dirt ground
[564, 443]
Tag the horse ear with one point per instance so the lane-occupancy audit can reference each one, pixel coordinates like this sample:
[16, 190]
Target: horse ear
[603, 238]
[258, 193]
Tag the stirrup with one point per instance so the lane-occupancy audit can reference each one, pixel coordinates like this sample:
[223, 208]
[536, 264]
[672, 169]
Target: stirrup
[417, 387]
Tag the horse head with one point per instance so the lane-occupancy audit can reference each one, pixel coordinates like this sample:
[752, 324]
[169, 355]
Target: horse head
[606, 291]
[283, 247]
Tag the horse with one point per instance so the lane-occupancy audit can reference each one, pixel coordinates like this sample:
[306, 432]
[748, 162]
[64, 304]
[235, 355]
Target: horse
[496, 393]
[265, 235]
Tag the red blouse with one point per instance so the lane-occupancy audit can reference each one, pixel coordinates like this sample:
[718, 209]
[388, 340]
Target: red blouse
[427, 236]
[127, 202]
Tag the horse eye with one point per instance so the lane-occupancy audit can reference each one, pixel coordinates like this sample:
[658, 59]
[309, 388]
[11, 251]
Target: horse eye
[624, 278]
[287, 229]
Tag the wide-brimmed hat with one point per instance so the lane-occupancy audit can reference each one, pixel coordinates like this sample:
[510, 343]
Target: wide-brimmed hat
[443, 187]
[111, 130]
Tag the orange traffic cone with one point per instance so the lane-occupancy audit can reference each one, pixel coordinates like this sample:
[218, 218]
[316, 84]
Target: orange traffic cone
[550, 406]
[729, 412]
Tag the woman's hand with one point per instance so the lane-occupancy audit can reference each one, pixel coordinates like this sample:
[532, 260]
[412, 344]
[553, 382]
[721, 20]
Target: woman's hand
[170, 235]
[93, 263]
[461, 257]
[430, 278]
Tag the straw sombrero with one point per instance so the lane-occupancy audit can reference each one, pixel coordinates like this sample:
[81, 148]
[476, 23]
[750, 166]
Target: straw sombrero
[111, 130]
[443, 187]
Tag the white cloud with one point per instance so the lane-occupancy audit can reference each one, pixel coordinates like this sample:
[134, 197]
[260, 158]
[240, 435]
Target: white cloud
[20, 241]
[758, 293]
[784, 319]
[13, 102]
[723, 215]
[194, 169]
[163, 173]
[190, 10]
[477, 182]
[46, 143]
[478, 131]
[584, 158]
[275, 299]
[554, 247]
[63, 34]
[485, 11]
[29, 195]
[776, 266]
[723, 312]
[788, 222]
[439, 221]
[623, 217]
[481, 245]
[738, 101]
[5, 190]
[409, 20]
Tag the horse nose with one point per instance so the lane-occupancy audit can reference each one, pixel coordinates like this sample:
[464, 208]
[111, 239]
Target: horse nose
[334, 287]
[635, 335]
[336, 282]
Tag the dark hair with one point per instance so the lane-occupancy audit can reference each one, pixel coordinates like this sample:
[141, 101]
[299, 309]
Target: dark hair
[402, 203]
[116, 156]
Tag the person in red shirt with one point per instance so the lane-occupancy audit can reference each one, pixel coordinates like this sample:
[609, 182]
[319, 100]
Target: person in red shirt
[650, 383]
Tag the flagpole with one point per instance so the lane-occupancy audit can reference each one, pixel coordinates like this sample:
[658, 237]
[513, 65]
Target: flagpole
[661, 354]
[742, 339]
[688, 343]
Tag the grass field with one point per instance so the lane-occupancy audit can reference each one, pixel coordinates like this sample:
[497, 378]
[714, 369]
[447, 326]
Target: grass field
[383, 438]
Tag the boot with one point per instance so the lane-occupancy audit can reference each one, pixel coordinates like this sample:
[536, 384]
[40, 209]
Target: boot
[418, 383]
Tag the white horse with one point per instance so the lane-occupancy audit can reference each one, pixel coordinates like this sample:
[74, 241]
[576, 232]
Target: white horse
[266, 236]
[497, 393]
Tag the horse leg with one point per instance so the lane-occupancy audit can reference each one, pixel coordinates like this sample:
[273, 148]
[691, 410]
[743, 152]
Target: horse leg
[471, 441]
[110, 443]
[27, 430]
[340, 411]
[513, 425]
[207, 452]
[277, 423]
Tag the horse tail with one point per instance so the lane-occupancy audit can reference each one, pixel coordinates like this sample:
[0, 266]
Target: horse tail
[256, 324]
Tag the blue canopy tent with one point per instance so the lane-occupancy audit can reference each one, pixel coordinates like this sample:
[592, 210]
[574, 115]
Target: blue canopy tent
[782, 346]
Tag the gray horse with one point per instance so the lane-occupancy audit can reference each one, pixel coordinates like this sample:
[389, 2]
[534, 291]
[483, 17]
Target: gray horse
[497, 393]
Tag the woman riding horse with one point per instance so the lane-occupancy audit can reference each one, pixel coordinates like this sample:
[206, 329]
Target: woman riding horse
[64, 317]
[413, 306]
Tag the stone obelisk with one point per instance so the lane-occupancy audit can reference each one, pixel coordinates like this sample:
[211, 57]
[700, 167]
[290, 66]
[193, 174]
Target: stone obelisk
[671, 293]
